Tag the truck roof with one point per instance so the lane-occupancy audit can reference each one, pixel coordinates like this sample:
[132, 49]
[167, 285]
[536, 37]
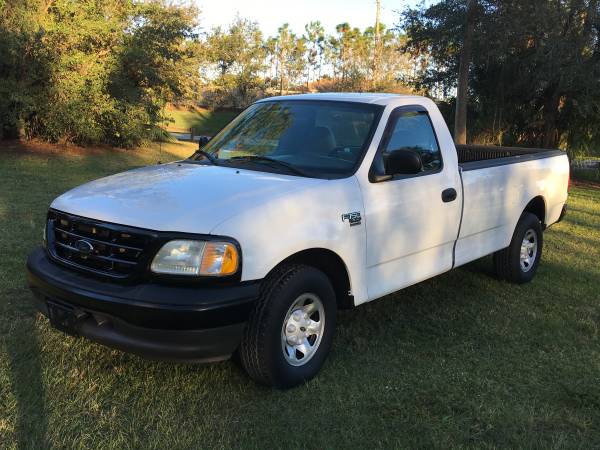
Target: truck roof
[374, 98]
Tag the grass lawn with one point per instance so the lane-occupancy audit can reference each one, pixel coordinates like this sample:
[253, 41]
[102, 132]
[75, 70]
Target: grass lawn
[462, 360]
[203, 121]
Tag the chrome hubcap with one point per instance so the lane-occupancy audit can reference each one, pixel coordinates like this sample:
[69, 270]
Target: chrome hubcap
[528, 250]
[302, 329]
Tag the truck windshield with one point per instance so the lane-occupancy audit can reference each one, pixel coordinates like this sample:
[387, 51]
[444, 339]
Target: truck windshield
[323, 139]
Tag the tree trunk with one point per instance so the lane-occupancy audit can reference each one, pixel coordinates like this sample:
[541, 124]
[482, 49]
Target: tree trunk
[282, 70]
[550, 138]
[462, 97]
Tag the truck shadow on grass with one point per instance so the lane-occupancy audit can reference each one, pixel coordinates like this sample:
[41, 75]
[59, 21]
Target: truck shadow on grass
[26, 382]
[32, 181]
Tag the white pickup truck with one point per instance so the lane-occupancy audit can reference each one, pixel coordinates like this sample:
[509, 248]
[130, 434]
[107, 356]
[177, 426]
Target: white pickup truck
[300, 206]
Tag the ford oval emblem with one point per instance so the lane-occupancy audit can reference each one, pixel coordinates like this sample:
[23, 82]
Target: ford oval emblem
[84, 247]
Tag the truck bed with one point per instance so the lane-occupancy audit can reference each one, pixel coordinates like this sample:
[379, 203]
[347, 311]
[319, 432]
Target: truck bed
[473, 157]
[496, 190]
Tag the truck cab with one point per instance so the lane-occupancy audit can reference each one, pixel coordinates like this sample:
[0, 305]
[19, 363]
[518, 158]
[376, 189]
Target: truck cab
[300, 206]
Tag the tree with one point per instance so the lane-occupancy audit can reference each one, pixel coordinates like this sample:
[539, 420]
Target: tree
[25, 65]
[91, 71]
[239, 56]
[156, 63]
[462, 90]
[342, 47]
[394, 66]
[289, 52]
[534, 67]
[315, 39]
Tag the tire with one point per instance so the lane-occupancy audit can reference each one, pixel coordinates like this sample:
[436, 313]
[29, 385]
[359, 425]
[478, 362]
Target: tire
[267, 351]
[509, 264]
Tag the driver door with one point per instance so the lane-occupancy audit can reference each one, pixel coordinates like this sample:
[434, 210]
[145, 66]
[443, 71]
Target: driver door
[411, 225]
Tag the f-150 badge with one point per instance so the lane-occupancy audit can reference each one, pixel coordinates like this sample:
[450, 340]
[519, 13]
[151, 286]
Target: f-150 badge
[353, 218]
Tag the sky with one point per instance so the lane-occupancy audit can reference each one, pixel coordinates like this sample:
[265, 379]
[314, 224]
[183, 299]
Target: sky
[271, 14]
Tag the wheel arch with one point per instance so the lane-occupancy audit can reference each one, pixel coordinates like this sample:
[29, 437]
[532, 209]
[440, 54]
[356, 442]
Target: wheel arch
[332, 265]
[537, 207]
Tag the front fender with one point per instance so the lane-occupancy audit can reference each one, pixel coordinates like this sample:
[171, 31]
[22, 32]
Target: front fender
[302, 220]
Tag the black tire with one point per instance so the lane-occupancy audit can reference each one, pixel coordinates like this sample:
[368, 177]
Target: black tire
[261, 352]
[507, 262]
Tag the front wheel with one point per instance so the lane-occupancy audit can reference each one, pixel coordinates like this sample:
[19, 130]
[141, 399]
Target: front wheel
[518, 262]
[290, 330]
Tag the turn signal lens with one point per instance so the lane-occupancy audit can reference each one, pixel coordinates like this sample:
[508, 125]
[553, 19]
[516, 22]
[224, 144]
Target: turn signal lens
[219, 259]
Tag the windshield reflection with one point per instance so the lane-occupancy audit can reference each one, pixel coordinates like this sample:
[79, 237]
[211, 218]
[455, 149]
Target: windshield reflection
[311, 138]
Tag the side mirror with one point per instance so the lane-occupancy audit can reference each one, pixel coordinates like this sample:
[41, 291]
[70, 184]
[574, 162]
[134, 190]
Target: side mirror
[403, 162]
[202, 141]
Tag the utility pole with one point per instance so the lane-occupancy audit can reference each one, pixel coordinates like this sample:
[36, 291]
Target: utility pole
[377, 53]
[462, 95]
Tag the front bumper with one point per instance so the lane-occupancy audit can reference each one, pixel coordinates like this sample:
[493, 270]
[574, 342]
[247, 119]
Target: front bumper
[168, 322]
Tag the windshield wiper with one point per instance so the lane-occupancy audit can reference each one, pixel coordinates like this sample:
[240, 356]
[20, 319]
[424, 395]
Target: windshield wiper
[272, 161]
[208, 156]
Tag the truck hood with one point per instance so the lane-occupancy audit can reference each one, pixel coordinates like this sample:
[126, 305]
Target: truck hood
[180, 197]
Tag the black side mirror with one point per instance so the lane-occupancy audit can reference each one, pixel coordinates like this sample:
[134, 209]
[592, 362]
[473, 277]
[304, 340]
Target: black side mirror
[403, 162]
[202, 141]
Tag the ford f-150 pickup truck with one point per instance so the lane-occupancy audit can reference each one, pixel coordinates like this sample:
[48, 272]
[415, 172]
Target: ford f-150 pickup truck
[300, 206]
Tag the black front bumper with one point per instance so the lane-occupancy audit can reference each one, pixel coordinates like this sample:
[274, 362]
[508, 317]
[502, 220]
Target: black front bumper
[170, 322]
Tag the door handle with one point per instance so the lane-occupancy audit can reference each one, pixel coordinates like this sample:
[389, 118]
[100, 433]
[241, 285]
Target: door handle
[449, 195]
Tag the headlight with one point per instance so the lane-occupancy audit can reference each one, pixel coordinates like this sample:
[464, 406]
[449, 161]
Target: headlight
[199, 258]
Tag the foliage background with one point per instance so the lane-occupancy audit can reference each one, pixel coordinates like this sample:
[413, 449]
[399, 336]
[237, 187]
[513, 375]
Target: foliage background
[92, 71]
[104, 71]
[535, 71]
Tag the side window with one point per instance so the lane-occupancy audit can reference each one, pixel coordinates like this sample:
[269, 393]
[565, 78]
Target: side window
[413, 130]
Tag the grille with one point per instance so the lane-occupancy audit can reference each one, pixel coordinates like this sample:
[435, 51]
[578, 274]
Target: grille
[96, 246]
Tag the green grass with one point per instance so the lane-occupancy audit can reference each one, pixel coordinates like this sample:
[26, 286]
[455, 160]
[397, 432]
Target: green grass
[461, 360]
[203, 121]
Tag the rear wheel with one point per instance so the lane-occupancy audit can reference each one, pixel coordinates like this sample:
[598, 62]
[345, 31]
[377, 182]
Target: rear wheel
[290, 331]
[518, 262]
